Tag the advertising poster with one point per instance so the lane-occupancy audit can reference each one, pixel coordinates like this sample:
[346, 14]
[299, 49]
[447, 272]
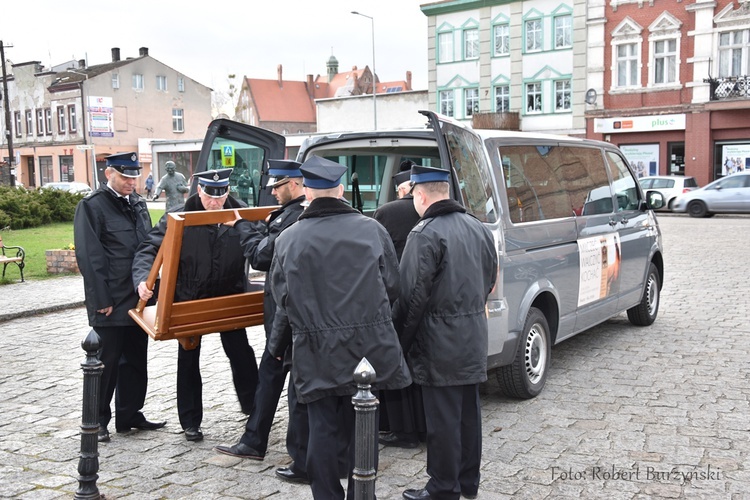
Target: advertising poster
[643, 158]
[735, 158]
[101, 119]
[599, 259]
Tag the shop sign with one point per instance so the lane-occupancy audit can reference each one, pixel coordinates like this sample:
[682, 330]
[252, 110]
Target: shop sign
[650, 123]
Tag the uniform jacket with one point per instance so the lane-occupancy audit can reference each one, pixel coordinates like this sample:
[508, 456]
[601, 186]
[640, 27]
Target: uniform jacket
[106, 235]
[259, 245]
[447, 270]
[398, 217]
[334, 276]
[212, 263]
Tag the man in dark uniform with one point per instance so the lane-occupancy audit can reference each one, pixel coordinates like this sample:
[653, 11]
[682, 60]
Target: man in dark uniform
[334, 276]
[212, 264]
[448, 269]
[401, 411]
[285, 183]
[108, 226]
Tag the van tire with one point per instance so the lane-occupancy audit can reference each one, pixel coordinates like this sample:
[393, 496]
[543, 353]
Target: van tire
[644, 314]
[526, 376]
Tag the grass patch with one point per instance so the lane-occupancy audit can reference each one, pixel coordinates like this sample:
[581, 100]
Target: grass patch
[36, 240]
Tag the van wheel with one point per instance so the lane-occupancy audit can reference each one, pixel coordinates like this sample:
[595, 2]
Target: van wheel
[697, 209]
[525, 377]
[645, 313]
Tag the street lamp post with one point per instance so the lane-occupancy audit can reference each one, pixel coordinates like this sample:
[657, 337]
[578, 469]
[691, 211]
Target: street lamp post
[84, 110]
[374, 84]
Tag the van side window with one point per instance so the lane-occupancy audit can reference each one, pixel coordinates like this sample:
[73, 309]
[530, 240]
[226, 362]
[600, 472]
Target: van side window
[469, 162]
[586, 179]
[550, 182]
[533, 187]
[626, 192]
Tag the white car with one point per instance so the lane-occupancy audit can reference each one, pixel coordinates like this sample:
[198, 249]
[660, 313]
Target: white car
[71, 187]
[730, 194]
[670, 186]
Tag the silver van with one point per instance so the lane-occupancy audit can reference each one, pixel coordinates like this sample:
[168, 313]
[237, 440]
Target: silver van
[577, 239]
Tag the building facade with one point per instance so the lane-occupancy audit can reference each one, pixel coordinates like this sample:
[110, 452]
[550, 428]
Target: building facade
[66, 120]
[501, 57]
[669, 84]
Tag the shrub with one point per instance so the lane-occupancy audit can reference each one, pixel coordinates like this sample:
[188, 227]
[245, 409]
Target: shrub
[23, 209]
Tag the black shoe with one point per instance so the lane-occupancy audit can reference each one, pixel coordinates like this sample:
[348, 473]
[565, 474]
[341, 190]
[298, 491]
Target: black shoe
[103, 435]
[288, 474]
[416, 494]
[393, 439]
[240, 450]
[144, 425]
[193, 434]
[470, 496]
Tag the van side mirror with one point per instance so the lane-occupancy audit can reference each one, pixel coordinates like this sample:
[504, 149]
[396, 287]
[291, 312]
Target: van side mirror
[654, 200]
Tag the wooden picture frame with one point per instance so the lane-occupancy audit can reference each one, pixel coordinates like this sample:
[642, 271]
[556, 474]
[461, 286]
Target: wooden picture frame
[186, 321]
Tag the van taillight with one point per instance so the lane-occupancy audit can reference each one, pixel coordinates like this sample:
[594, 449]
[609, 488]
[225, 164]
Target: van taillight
[686, 190]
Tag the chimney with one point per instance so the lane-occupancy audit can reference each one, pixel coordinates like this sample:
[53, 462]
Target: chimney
[279, 72]
[354, 68]
[355, 83]
[82, 64]
[115, 54]
[408, 80]
[143, 51]
[310, 87]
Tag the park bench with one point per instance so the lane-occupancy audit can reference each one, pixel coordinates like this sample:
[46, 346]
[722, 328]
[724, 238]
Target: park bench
[9, 258]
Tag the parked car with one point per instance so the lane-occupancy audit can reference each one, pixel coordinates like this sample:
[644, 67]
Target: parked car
[670, 186]
[71, 187]
[728, 195]
[577, 240]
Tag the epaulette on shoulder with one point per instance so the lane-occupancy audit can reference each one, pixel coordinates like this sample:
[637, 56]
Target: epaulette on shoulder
[419, 227]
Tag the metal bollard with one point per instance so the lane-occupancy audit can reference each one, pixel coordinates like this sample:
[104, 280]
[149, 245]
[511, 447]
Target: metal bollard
[366, 432]
[88, 464]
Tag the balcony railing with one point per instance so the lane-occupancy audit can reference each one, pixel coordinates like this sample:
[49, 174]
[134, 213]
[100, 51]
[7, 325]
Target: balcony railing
[730, 87]
[496, 121]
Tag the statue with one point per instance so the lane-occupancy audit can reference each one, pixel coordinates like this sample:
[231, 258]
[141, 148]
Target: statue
[174, 185]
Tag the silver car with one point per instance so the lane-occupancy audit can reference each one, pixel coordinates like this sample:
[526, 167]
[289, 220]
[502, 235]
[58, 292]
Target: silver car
[730, 194]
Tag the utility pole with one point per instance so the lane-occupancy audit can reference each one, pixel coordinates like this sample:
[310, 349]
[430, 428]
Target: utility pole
[8, 135]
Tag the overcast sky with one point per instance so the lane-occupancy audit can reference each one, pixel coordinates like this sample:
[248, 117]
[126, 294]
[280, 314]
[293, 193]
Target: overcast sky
[207, 41]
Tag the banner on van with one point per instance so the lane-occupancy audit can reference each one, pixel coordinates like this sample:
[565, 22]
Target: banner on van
[599, 259]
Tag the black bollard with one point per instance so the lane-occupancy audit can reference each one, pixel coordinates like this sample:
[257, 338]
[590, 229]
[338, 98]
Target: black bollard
[88, 464]
[366, 432]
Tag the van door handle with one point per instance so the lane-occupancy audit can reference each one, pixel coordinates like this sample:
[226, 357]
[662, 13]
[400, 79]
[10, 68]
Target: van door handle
[612, 222]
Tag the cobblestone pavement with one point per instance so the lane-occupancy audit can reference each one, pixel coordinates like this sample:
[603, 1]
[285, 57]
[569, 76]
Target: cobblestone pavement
[628, 412]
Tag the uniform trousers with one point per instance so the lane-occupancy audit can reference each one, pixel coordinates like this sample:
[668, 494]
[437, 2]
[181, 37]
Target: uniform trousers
[190, 384]
[297, 432]
[454, 440]
[271, 376]
[123, 352]
[402, 412]
[330, 452]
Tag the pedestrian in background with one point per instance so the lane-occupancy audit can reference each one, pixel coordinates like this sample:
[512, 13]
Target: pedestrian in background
[149, 186]
[107, 228]
[334, 276]
[448, 269]
[285, 183]
[401, 411]
[212, 264]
